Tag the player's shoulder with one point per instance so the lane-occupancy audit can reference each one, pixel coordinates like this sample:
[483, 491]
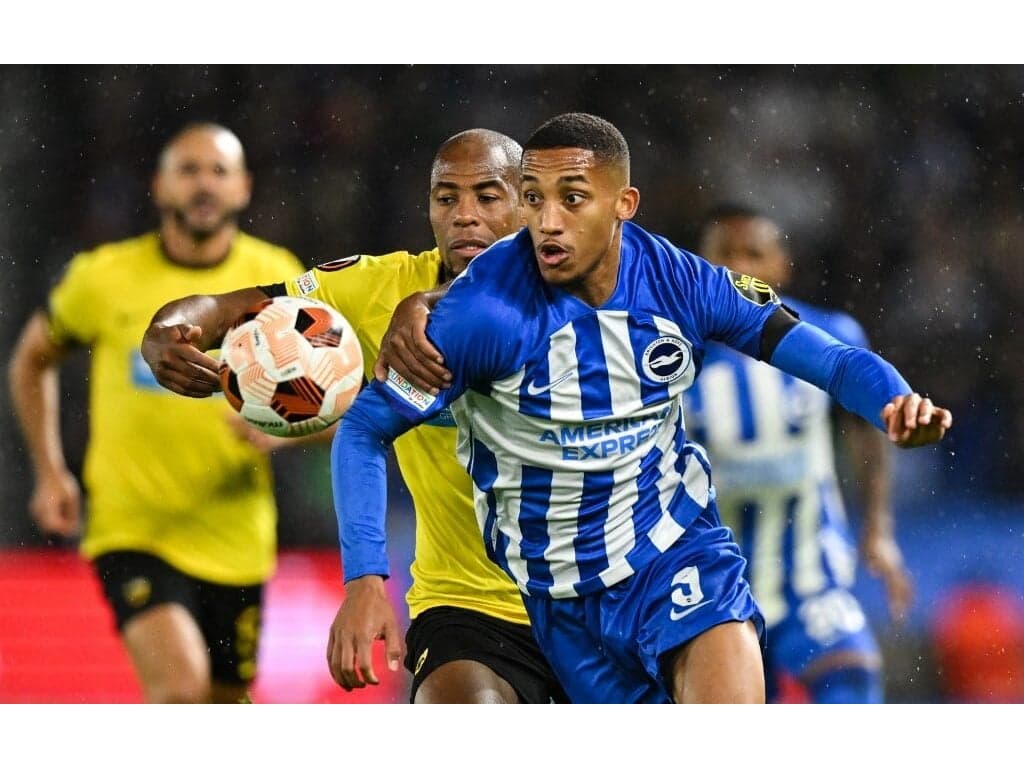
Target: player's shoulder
[110, 257]
[668, 264]
[395, 261]
[836, 322]
[253, 246]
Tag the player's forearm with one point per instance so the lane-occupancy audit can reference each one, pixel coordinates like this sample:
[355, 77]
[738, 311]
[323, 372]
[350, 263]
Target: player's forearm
[359, 481]
[35, 396]
[869, 452]
[214, 314]
[859, 380]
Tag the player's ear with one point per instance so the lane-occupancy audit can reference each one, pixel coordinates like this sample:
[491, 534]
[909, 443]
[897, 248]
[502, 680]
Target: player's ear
[627, 204]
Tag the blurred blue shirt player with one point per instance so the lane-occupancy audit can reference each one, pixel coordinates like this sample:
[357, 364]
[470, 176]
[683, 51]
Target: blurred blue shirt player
[770, 439]
[570, 345]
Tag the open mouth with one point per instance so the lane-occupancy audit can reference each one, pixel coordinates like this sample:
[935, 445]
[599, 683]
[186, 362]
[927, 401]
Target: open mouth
[552, 254]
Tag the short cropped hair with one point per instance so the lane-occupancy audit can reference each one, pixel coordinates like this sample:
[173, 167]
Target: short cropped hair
[582, 131]
[511, 152]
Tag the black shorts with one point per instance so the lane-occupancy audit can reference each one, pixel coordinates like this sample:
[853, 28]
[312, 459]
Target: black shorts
[229, 617]
[444, 634]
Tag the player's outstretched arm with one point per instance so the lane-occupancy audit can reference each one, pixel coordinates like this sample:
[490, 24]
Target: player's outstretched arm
[913, 420]
[364, 617]
[861, 382]
[406, 348]
[180, 332]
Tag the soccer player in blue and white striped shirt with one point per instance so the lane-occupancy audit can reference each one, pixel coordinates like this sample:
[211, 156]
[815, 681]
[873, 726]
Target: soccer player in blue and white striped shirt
[570, 345]
[770, 439]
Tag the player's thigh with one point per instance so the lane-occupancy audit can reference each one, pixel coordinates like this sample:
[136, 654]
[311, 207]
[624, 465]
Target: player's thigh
[457, 655]
[721, 665]
[230, 618]
[465, 682]
[169, 654]
[155, 605]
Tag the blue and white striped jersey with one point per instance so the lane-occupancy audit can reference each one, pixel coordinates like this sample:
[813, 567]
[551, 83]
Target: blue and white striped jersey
[769, 437]
[570, 417]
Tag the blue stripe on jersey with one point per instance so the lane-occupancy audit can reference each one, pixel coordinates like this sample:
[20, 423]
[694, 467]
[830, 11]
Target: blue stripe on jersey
[694, 405]
[483, 468]
[647, 509]
[749, 513]
[533, 524]
[597, 489]
[593, 371]
[744, 402]
[789, 547]
[794, 416]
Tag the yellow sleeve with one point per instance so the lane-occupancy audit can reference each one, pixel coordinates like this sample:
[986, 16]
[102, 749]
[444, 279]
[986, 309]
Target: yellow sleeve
[353, 285]
[74, 301]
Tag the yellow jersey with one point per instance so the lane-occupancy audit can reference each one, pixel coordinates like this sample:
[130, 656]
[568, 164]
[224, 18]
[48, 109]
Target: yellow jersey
[450, 567]
[165, 474]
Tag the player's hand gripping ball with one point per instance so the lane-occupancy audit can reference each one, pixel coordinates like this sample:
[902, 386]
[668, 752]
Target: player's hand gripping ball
[291, 366]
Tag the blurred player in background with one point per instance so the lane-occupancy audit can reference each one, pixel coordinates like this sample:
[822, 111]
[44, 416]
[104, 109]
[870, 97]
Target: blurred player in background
[769, 438]
[183, 540]
[569, 346]
[469, 640]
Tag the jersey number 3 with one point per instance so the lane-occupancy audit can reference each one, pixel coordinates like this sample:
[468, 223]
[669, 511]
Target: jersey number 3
[687, 596]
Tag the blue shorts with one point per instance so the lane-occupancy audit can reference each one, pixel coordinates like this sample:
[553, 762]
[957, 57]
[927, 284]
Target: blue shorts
[609, 647]
[830, 621]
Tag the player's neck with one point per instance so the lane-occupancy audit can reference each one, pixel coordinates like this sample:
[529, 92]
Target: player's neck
[597, 286]
[184, 249]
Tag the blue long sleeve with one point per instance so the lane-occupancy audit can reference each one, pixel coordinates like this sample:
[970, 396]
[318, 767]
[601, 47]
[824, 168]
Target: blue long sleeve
[860, 380]
[359, 482]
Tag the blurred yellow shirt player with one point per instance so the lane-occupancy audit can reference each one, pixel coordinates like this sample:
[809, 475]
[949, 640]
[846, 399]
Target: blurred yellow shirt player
[181, 518]
[164, 474]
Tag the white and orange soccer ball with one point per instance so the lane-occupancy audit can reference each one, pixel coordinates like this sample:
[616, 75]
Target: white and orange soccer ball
[291, 366]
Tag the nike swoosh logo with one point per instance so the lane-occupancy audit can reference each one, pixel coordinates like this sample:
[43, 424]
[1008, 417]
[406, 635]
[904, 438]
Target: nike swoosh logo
[677, 615]
[533, 389]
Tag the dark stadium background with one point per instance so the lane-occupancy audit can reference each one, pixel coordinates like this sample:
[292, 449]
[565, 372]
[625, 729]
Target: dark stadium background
[900, 189]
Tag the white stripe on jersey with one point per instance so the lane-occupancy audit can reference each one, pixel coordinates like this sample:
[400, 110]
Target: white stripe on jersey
[566, 399]
[808, 573]
[623, 381]
[766, 574]
[667, 530]
[510, 475]
[562, 527]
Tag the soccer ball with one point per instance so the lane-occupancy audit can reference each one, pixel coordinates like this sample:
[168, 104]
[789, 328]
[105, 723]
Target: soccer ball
[291, 366]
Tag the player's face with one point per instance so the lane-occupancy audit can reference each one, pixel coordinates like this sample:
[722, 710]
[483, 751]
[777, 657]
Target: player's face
[574, 207]
[202, 182]
[750, 246]
[473, 202]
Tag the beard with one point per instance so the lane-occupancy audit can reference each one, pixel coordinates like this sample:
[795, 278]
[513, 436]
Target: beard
[202, 229]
